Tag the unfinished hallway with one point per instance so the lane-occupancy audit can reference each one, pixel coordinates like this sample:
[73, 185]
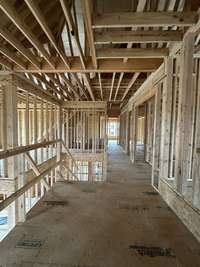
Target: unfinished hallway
[104, 224]
[100, 133]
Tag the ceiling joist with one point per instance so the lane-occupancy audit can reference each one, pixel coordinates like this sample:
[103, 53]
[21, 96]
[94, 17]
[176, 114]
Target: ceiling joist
[132, 52]
[121, 37]
[147, 19]
[105, 65]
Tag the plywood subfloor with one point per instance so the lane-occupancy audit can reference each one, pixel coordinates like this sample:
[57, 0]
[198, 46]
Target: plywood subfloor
[98, 225]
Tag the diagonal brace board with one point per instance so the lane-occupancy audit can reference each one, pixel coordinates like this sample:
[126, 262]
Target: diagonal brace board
[36, 170]
[70, 171]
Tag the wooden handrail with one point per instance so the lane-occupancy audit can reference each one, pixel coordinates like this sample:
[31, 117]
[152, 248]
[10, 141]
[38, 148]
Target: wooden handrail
[21, 149]
[27, 186]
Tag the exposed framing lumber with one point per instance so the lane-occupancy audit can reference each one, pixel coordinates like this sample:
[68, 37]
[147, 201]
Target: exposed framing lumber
[100, 84]
[70, 85]
[112, 85]
[132, 81]
[118, 85]
[88, 25]
[73, 29]
[50, 85]
[13, 57]
[81, 86]
[184, 119]
[137, 37]
[43, 23]
[26, 187]
[15, 43]
[156, 138]
[132, 52]
[140, 7]
[7, 185]
[14, 16]
[6, 63]
[88, 85]
[85, 105]
[36, 170]
[22, 149]
[147, 19]
[29, 86]
[133, 129]
[70, 171]
[166, 118]
[61, 89]
[104, 65]
[196, 171]
[147, 89]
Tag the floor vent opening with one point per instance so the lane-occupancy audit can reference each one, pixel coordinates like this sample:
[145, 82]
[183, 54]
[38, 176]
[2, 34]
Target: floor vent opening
[29, 244]
[151, 193]
[56, 203]
[134, 208]
[152, 251]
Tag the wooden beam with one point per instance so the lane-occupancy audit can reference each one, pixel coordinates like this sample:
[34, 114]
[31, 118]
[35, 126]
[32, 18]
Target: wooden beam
[147, 19]
[33, 6]
[73, 29]
[7, 185]
[22, 149]
[100, 84]
[81, 86]
[132, 52]
[41, 167]
[184, 125]
[4, 62]
[34, 167]
[60, 88]
[70, 85]
[29, 86]
[147, 89]
[54, 88]
[104, 65]
[166, 118]
[15, 17]
[12, 56]
[26, 187]
[84, 105]
[88, 85]
[132, 81]
[88, 25]
[140, 8]
[137, 36]
[118, 85]
[112, 85]
[18, 45]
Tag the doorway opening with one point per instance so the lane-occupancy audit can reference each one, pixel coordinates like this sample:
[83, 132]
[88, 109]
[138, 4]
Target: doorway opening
[113, 129]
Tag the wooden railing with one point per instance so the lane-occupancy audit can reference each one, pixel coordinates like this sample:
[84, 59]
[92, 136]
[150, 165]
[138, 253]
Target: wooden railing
[59, 160]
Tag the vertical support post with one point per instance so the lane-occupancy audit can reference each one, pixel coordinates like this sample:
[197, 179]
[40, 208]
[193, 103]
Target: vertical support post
[156, 138]
[136, 112]
[90, 171]
[59, 136]
[127, 133]
[196, 172]
[134, 132]
[184, 120]
[166, 118]
[16, 210]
